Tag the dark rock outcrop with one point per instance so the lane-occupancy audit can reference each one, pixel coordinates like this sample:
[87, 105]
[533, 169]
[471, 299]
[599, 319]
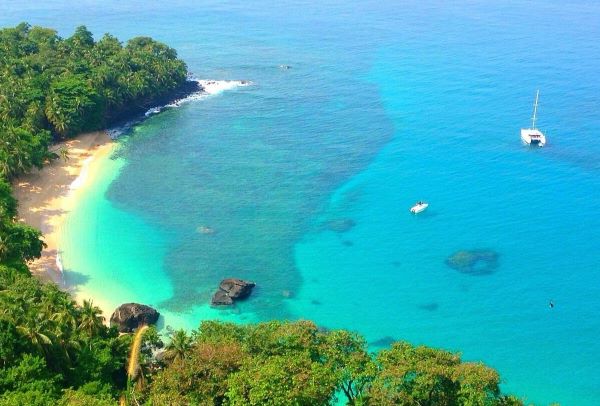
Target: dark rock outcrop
[136, 109]
[130, 316]
[220, 298]
[232, 289]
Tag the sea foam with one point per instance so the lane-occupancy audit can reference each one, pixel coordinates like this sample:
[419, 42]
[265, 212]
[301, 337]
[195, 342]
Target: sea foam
[207, 88]
[80, 179]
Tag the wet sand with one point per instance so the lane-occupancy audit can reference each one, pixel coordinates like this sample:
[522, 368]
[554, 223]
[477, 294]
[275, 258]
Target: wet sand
[45, 196]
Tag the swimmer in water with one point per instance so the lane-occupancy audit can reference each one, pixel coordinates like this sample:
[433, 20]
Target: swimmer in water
[551, 304]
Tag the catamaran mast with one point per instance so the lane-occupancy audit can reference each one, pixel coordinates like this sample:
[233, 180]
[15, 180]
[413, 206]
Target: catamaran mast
[535, 109]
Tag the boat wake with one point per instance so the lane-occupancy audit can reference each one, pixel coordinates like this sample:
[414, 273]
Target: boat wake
[207, 88]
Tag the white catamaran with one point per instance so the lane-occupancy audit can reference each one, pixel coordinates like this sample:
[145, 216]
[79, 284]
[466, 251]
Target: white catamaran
[533, 136]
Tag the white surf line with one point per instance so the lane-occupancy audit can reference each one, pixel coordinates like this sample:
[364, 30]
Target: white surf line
[83, 174]
[208, 88]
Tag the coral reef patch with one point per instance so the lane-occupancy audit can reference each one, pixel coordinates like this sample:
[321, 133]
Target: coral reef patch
[474, 262]
[340, 225]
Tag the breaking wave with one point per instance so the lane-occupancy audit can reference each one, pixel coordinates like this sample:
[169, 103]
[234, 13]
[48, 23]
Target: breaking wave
[207, 88]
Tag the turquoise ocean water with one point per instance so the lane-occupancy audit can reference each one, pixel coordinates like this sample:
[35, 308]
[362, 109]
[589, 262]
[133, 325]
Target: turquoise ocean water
[307, 175]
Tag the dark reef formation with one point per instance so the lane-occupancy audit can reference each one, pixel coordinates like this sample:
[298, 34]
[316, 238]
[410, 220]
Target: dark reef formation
[232, 289]
[474, 262]
[340, 225]
[130, 316]
[383, 342]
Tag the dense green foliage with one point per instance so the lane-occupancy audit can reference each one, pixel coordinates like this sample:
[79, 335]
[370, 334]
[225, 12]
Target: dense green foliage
[48, 343]
[52, 87]
[279, 363]
[55, 352]
[19, 243]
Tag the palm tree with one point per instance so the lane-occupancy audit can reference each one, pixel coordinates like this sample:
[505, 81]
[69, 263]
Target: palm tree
[69, 345]
[179, 346]
[38, 335]
[4, 246]
[65, 320]
[91, 319]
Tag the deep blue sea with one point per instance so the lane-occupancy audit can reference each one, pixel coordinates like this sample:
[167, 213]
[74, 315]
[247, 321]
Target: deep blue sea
[306, 176]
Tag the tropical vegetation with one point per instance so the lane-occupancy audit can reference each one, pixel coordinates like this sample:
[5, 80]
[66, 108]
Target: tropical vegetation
[56, 352]
[52, 88]
[283, 363]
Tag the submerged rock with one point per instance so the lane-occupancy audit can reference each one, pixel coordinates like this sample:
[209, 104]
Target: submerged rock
[340, 225]
[130, 316]
[474, 262]
[383, 342]
[232, 289]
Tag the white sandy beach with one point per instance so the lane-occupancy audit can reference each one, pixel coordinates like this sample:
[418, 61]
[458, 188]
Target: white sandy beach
[45, 196]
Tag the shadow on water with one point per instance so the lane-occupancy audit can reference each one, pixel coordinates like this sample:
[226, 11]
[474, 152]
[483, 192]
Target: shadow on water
[383, 342]
[427, 214]
[160, 323]
[74, 279]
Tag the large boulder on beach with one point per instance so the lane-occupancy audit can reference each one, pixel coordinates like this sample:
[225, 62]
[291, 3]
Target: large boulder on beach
[232, 289]
[130, 316]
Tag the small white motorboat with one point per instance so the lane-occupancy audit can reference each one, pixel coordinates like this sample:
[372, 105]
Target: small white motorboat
[419, 207]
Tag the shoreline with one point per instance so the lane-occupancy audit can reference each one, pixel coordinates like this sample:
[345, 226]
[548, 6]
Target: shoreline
[46, 196]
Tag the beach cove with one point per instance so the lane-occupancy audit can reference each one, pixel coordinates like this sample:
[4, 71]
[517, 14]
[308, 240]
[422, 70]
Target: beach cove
[47, 199]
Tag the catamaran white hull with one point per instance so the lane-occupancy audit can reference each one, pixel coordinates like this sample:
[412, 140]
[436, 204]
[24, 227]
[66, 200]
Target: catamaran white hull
[533, 137]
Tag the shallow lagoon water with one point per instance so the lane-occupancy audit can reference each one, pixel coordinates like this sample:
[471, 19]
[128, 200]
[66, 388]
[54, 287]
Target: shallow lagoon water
[383, 105]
